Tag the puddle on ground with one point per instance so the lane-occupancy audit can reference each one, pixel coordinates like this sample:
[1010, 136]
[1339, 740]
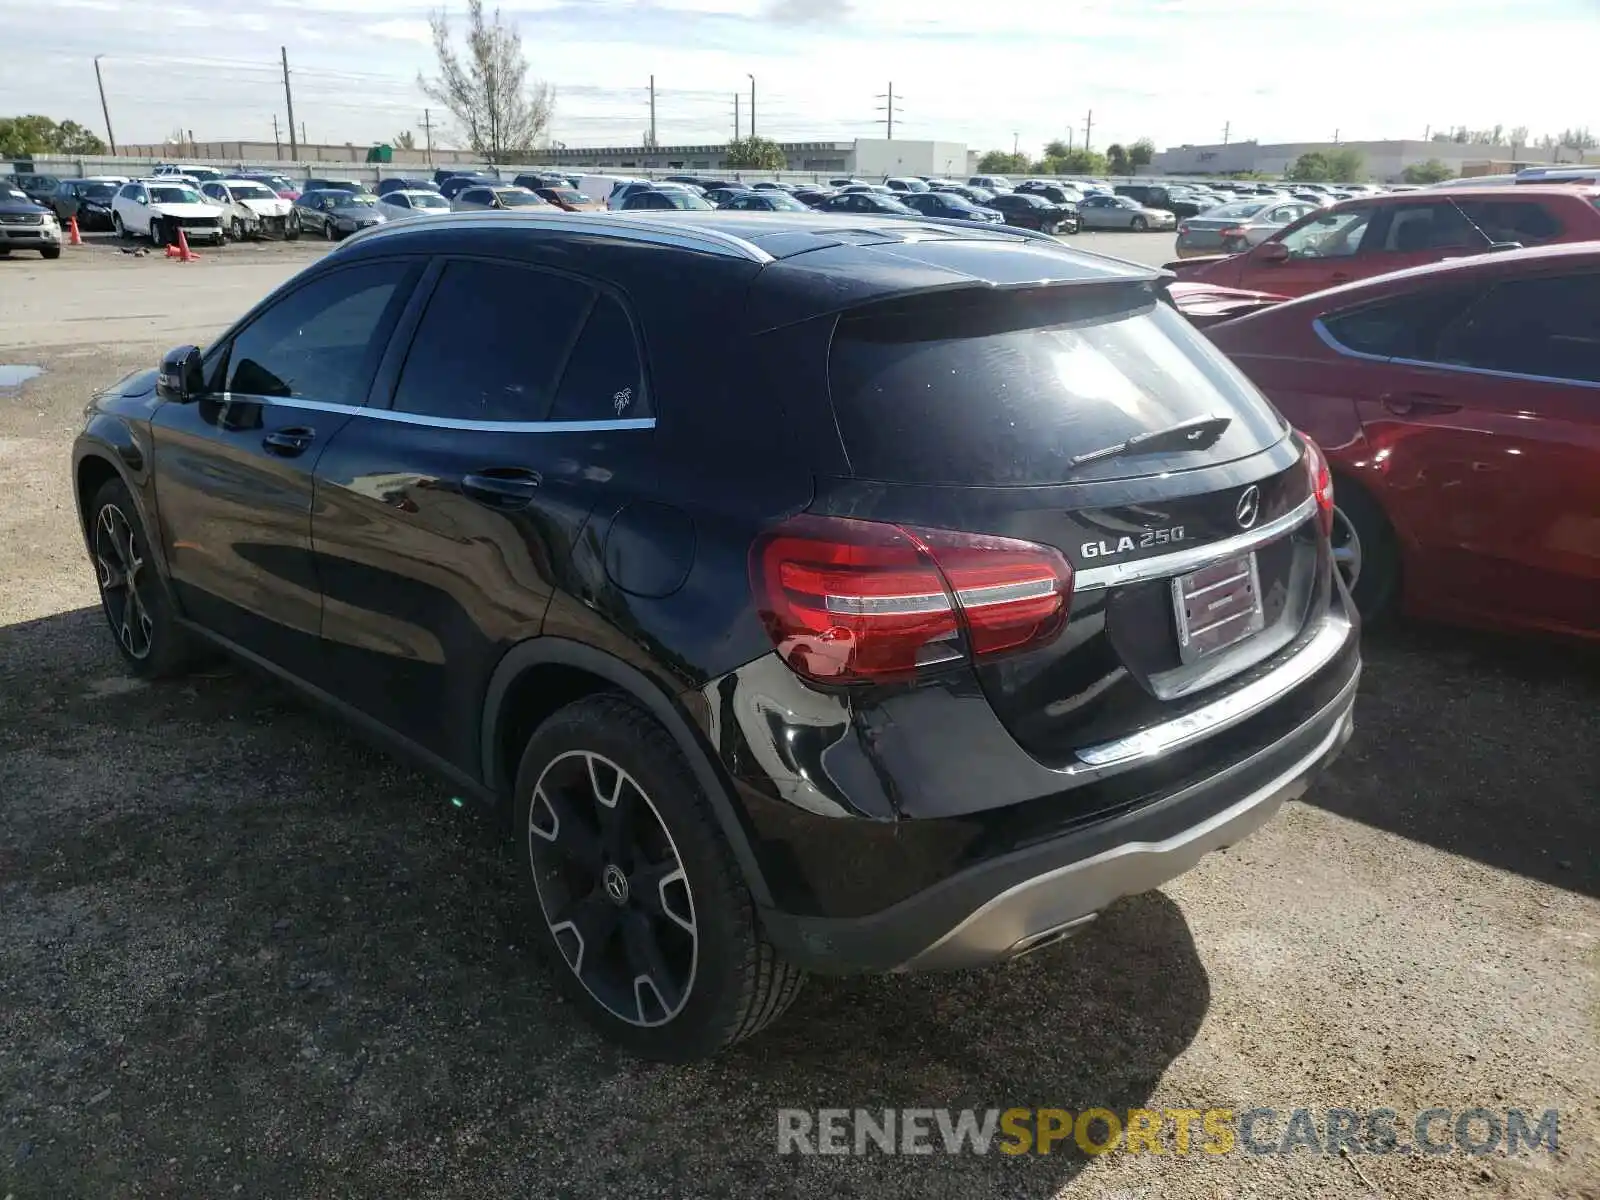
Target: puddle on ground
[12, 377]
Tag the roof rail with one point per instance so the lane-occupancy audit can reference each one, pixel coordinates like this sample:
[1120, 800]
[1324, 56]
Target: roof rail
[686, 236]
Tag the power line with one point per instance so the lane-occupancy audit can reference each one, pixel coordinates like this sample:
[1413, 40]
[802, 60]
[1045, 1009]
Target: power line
[888, 110]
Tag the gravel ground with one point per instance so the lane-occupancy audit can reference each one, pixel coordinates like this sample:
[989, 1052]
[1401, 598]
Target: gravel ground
[242, 954]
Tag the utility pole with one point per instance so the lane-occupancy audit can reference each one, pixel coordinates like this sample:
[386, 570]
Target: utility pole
[1071, 133]
[736, 116]
[653, 112]
[1227, 126]
[752, 106]
[427, 129]
[304, 140]
[1088, 131]
[105, 111]
[288, 96]
[1014, 144]
[277, 145]
[1335, 137]
[888, 120]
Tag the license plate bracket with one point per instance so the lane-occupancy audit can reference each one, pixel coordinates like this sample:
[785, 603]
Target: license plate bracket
[1217, 606]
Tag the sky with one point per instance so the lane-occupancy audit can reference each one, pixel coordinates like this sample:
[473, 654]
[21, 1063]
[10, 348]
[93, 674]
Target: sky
[984, 73]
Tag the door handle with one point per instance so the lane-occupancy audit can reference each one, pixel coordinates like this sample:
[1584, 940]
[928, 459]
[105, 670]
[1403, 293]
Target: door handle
[1417, 404]
[502, 487]
[1340, 276]
[287, 443]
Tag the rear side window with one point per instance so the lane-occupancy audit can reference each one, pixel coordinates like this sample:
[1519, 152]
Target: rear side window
[1548, 327]
[986, 389]
[1513, 220]
[603, 380]
[490, 343]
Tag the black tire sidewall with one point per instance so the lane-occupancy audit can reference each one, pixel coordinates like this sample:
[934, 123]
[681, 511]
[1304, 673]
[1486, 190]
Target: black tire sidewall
[1378, 585]
[624, 733]
[171, 648]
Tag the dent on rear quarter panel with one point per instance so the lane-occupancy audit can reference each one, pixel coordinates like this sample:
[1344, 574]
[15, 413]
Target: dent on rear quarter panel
[1314, 389]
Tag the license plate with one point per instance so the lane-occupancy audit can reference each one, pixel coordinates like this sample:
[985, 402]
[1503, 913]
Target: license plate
[1217, 606]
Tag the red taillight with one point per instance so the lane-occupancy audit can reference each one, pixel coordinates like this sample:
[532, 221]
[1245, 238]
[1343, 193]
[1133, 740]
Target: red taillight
[1321, 483]
[1233, 231]
[1183, 230]
[850, 601]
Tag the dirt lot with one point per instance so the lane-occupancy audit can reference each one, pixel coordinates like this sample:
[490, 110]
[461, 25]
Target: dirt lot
[243, 955]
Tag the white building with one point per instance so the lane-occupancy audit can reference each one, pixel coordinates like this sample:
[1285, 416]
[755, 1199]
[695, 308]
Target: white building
[1384, 162]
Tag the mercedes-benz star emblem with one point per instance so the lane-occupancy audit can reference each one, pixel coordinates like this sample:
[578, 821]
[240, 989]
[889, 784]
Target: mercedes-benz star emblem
[615, 883]
[1249, 506]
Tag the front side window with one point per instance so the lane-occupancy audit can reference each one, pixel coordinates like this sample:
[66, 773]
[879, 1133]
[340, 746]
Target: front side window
[1328, 235]
[400, 200]
[322, 341]
[490, 343]
[1547, 326]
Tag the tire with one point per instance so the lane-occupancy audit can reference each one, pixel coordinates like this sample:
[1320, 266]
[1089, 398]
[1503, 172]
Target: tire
[234, 232]
[137, 607]
[117, 227]
[1139, 225]
[328, 231]
[51, 251]
[1365, 550]
[158, 232]
[713, 979]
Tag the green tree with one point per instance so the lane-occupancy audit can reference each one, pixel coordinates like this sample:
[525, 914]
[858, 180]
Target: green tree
[1056, 149]
[755, 153]
[1432, 171]
[1117, 159]
[1346, 166]
[1310, 167]
[1073, 162]
[998, 162]
[503, 116]
[1142, 152]
[35, 134]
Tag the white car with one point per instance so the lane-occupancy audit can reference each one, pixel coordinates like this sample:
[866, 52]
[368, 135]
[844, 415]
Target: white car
[187, 171]
[403, 203]
[159, 208]
[251, 208]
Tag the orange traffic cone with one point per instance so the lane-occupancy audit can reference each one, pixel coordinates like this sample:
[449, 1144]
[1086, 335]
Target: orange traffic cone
[182, 252]
[76, 238]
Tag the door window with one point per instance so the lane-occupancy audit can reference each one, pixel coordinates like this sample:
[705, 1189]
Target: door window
[1523, 221]
[1417, 228]
[1546, 326]
[490, 343]
[603, 380]
[323, 340]
[1330, 235]
[1407, 327]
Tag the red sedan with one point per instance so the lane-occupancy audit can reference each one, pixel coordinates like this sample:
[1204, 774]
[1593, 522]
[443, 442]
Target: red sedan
[1459, 405]
[1357, 239]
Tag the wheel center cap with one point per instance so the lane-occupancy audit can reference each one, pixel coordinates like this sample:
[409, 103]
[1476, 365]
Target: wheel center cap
[615, 884]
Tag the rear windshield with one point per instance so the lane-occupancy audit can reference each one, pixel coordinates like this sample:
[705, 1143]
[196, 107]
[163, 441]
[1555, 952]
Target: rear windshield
[1004, 389]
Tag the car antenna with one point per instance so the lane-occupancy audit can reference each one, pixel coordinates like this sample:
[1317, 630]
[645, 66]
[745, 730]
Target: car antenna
[1488, 242]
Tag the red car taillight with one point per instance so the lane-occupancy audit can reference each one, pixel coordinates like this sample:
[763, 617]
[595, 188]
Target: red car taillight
[1183, 230]
[850, 601]
[1321, 483]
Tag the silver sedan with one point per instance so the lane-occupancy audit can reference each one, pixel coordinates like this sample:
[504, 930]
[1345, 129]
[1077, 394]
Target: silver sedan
[491, 199]
[401, 204]
[1237, 226]
[1119, 212]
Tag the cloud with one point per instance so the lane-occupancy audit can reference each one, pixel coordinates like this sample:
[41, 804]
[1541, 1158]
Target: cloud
[402, 30]
[808, 12]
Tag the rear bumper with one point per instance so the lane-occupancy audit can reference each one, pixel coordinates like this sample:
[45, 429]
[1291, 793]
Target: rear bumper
[1016, 903]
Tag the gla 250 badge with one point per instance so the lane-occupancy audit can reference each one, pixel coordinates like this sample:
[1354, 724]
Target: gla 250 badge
[1107, 547]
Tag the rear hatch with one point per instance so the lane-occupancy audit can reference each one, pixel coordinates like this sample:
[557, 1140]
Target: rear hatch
[1001, 413]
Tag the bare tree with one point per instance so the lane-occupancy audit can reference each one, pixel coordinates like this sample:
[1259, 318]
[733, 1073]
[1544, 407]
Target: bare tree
[405, 140]
[502, 114]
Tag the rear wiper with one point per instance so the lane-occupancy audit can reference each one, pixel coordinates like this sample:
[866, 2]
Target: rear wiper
[1199, 433]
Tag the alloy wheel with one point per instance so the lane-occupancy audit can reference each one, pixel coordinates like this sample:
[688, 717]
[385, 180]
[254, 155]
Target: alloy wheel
[121, 576]
[1346, 548]
[612, 888]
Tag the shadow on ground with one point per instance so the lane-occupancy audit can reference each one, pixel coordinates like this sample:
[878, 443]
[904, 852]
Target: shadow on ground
[1483, 746]
[242, 951]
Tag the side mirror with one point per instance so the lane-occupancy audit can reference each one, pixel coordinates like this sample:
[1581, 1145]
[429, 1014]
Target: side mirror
[1272, 252]
[182, 374]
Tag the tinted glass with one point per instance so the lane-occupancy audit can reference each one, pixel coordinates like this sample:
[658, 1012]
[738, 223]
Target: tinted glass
[1513, 220]
[321, 341]
[1405, 328]
[399, 200]
[1547, 326]
[997, 389]
[1415, 228]
[603, 381]
[490, 343]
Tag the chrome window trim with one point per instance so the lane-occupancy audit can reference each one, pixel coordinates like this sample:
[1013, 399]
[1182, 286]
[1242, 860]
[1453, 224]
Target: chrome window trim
[1233, 708]
[404, 418]
[632, 228]
[1338, 347]
[1180, 562]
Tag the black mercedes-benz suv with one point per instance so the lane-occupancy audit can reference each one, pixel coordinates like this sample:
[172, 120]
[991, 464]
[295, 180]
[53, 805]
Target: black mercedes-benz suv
[812, 594]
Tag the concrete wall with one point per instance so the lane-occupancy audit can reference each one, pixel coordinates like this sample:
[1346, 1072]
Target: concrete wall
[267, 152]
[1384, 162]
[877, 157]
